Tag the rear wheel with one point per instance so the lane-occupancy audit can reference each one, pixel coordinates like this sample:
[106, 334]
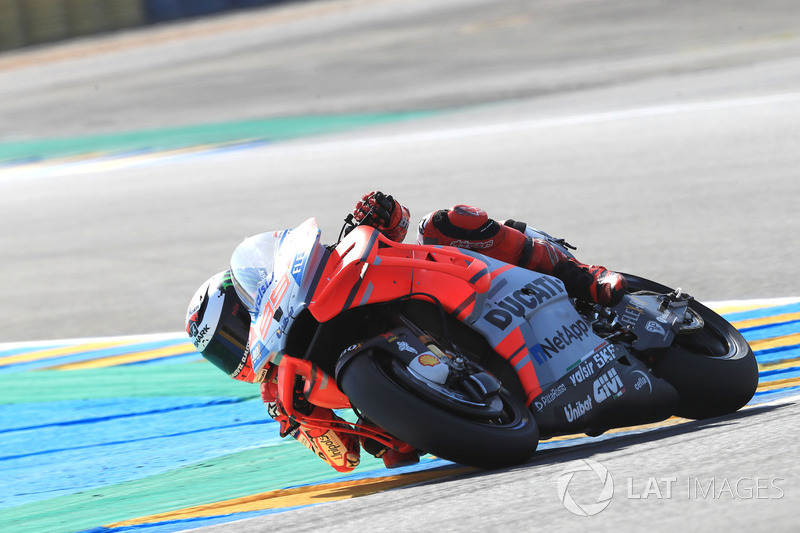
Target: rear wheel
[709, 363]
[494, 433]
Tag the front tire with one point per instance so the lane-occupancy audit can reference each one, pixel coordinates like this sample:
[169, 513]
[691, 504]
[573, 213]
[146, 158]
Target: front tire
[377, 391]
[713, 368]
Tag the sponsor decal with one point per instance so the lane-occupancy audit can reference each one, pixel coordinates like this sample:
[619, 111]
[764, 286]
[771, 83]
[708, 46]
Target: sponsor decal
[257, 350]
[474, 245]
[575, 410]
[197, 334]
[521, 300]
[331, 443]
[330, 448]
[664, 317]
[405, 347]
[421, 230]
[587, 368]
[655, 327]
[549, 397]
[583, 372]
[564, 337]
[463, 209]
[428, 359]
[297, 266]
[350, 348]
[608, 385]
[604, 356]
[389, 336]
[262, 290]
[537, 353]
[242, 364]
[632, 313]
[284, 323]
[271, 306]
[644, 379]
[262, 376]
[353, 460]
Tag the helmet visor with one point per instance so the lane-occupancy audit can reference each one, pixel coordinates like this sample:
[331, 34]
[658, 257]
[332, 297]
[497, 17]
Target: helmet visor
[228, 349]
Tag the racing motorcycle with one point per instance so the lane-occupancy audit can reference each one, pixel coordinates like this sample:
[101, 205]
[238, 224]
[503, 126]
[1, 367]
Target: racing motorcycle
[474, 360]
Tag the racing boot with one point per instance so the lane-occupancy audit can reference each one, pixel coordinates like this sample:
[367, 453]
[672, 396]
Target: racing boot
[394, 459]
[592, 283]
[585, 282]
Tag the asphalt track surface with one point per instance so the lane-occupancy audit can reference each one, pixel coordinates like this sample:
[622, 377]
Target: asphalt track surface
[661, 138]
[138, 433]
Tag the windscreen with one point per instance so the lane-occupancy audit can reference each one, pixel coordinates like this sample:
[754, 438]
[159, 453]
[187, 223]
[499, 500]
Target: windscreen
[252, 265]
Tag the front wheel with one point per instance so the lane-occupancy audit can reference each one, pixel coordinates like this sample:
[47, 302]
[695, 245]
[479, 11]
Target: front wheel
[375, 386]
[709, 363]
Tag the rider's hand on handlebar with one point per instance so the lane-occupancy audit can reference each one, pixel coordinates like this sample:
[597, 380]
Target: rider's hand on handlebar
[383, 213]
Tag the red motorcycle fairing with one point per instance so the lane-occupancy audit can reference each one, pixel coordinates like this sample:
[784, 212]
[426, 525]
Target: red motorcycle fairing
[367, 268]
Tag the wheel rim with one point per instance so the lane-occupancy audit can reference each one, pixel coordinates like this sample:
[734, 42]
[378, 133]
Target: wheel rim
[708, 341]
[493, 411]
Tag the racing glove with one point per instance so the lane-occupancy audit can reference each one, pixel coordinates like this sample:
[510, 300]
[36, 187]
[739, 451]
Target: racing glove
[383, 213]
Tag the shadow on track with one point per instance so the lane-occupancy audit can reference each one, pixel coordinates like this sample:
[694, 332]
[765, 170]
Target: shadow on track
[603, 443]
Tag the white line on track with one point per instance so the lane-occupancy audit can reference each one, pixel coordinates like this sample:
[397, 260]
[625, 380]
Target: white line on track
[106, 161]
[523, 125]
[151, 337]
[753, 304]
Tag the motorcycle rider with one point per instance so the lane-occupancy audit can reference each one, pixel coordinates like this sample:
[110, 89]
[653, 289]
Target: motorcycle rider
[470, 227]
[218, 323]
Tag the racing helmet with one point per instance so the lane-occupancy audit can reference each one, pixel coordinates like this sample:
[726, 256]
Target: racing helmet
[218, 323]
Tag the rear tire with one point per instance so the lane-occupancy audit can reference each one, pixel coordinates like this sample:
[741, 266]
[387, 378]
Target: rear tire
[376, 390]
[713, 368]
